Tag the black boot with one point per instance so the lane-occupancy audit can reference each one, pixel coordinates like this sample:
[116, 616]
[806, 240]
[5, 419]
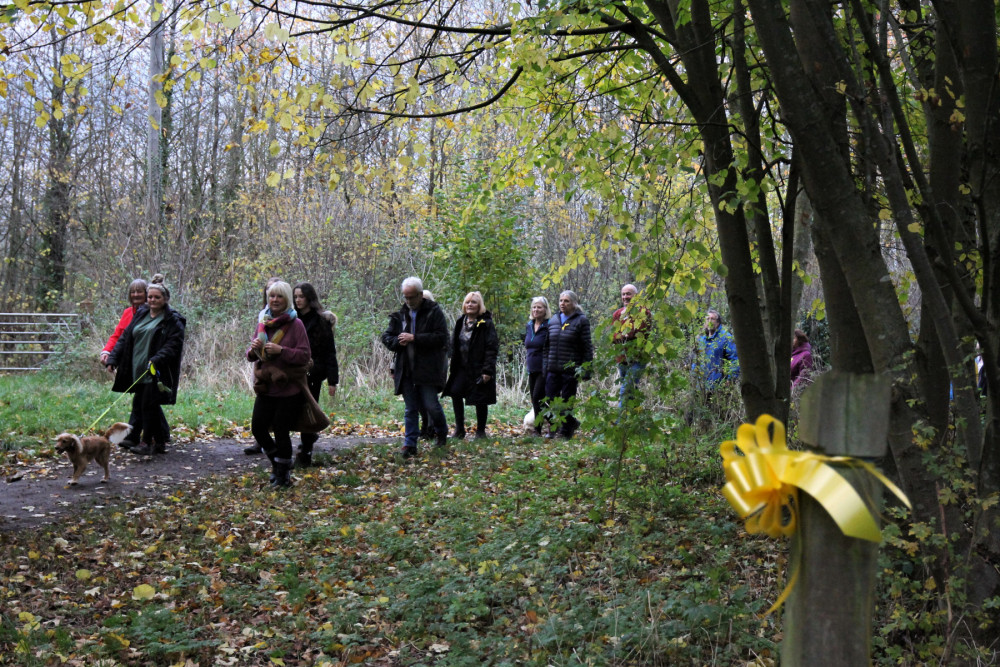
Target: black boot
[282, 470]
[143, 449]
[253, 449]
[303, 459]
[159, 447]
[480, 433]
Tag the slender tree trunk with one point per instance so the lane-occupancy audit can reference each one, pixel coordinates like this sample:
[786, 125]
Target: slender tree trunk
[154, 136]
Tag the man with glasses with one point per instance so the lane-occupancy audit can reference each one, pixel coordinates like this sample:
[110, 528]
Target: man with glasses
[418, 337]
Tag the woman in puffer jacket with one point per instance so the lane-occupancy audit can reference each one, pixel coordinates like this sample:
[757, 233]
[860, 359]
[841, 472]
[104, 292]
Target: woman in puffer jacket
[568, 348]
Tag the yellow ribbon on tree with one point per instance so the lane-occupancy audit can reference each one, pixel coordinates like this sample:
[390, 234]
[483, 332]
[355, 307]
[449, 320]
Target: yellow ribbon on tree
[764, 478]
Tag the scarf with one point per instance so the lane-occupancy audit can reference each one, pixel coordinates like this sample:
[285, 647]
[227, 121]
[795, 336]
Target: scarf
[270, 323]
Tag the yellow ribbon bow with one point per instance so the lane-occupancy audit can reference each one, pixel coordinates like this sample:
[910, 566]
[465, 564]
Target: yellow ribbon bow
[764, 480]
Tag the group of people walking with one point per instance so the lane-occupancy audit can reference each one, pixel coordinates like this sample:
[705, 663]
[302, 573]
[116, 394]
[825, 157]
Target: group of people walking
[417, 334]
[293, 350]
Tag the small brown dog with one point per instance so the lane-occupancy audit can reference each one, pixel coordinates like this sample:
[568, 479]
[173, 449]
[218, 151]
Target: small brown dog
[81, 451]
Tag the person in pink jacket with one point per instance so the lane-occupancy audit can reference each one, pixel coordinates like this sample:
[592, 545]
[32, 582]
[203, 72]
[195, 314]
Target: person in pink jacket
[136, 299]
[280, 353]
[802, 359]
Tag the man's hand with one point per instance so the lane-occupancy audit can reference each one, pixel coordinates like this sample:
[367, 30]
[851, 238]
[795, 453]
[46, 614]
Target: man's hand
[332, 390]
[405, 339]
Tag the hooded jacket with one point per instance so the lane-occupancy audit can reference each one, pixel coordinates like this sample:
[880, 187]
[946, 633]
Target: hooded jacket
[165, 351]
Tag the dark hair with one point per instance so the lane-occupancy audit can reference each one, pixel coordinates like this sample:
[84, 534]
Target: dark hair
[309, 292]
[138, 282]
[267, 286]
[800, 337]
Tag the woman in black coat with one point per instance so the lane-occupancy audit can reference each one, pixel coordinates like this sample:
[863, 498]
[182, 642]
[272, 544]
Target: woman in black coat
[150, 350]
[568, 348]
[472, 377]
[324, 358]
[536, 334]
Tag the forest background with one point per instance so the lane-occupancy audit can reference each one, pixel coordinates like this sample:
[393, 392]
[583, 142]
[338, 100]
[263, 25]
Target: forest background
[684, 146]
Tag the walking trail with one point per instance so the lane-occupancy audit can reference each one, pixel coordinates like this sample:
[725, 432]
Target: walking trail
[36, 493]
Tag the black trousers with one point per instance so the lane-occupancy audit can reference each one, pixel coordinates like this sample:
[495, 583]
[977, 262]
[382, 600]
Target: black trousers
[482, 414]
[536, 390]
[277, 415]
[152, 428]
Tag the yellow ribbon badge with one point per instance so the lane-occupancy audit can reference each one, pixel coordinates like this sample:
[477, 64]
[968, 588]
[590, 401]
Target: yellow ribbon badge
[764, 477]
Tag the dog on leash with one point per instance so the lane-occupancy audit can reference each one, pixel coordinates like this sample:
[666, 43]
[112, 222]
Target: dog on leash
[81, 451]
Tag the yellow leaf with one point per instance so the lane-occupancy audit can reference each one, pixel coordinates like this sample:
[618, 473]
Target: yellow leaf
[278, 661]
[34, 555]
[273, 178]
[83, 575]
[884, 214]
[143, 592]
[914, 227]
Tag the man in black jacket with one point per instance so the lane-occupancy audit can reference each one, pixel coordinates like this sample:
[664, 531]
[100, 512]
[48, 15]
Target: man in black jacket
[418, 336]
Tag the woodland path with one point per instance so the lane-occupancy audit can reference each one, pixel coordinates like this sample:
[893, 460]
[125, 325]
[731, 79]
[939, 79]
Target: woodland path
[37, 493]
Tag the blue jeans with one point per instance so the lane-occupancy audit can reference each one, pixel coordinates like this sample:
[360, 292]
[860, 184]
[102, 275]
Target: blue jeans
[629, 374]
[418, 398]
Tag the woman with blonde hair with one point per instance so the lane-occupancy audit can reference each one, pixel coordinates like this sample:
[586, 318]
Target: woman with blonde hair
[472, 377]
[536, 334]
[280, 354]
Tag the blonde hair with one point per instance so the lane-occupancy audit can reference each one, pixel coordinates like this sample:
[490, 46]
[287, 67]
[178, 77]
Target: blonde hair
[479, 298]
[285, 290]
[545, 304]
[156, 282]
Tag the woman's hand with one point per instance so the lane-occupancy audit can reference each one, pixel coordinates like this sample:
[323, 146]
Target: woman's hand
[332, 390]
[272, 349]
[256, 344]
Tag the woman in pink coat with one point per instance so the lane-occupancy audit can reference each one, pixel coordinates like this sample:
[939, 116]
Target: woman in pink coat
[802, 359]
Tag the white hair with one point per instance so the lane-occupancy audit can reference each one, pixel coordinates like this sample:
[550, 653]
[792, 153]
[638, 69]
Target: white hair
[412, 281]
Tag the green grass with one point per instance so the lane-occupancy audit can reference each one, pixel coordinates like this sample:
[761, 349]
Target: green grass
[500, 553]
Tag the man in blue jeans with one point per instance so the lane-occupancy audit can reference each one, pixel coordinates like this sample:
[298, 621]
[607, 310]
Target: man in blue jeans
[418, 337]
[630, 326]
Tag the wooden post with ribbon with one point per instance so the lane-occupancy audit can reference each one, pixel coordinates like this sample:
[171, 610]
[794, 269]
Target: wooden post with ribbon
[828, 614]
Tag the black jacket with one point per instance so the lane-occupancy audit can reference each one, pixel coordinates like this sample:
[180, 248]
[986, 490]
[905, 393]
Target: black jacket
[423, 360]
[165, 351]
[465, 380]
[324, 348]
[569, 345]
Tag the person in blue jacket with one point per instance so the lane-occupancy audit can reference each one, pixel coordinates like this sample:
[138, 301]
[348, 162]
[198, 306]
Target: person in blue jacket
[536, 335]
[715, 355]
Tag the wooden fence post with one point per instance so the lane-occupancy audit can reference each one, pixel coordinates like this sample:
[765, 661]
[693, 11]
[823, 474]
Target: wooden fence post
[828, 616]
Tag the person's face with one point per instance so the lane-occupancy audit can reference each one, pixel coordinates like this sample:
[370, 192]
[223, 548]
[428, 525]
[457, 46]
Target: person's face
[136, 297]
[711, 322]
[301, 304]
[566, 305]
[413, 297]
[537, 311]
[627, 294]
[277, 303]
[471, 306]
[155, 301]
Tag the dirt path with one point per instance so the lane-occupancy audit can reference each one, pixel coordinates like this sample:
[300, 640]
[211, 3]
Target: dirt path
[36, 494]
